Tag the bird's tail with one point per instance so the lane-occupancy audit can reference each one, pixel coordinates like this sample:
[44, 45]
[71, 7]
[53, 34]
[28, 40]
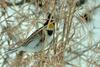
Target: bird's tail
[11, 51]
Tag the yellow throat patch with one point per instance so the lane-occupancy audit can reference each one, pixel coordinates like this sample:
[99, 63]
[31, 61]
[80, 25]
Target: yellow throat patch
[51, 26]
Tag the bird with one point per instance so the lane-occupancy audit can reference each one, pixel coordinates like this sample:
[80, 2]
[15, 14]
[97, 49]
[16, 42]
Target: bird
[38, 39]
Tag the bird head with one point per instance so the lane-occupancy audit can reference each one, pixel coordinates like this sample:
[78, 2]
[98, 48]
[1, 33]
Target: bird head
[50, 25]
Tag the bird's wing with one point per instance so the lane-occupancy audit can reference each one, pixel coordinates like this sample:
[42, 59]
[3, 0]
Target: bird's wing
[35, 37]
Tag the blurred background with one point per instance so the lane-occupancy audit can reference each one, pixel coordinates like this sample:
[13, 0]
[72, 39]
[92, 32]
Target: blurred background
[76, 39]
